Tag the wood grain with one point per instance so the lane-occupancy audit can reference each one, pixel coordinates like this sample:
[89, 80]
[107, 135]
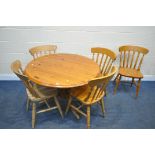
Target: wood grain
[39, 51]
[131, 58]
[62, 70]
[36, 94]
[104, 58]
[90, 94]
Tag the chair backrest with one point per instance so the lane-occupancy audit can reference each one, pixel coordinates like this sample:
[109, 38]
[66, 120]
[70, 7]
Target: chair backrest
[132, 56]
[39, 51]
[98, 85]
[104, 58]
[17, 69]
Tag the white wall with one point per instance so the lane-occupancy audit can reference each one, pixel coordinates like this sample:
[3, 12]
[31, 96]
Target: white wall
[15, 42]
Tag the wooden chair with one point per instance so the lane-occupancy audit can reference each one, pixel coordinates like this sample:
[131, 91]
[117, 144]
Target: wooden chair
[131, 58]
[104, 58]
[89, 95]
[36, 94]
[42, 50]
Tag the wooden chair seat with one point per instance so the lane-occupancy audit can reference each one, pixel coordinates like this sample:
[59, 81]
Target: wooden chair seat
[130, 72]
[81, 93]
[31, 97]
[43, 92]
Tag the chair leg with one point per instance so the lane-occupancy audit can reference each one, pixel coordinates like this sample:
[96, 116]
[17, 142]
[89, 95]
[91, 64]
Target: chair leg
[33, 114]
[88, 117]
[27, 104]
[102, 106]
[68, 104]
[138, 87]
[116, 77]
[117, 83]
[132, 82]
[58, 105]
[105, 92]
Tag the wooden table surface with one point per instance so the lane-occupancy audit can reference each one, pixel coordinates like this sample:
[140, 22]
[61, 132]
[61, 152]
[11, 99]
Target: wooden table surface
[62, 70]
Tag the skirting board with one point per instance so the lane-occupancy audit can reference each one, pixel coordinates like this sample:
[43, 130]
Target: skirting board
[12, 77]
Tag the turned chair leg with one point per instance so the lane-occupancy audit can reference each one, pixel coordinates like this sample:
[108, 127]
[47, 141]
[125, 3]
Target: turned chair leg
[68, 104]
[105, 92]
[117, 83]
[33, 114]
[116, 77]
[88, 117]
[27, 104]
[138, 87]
[132, 82]
[58, 105]
[102, 106]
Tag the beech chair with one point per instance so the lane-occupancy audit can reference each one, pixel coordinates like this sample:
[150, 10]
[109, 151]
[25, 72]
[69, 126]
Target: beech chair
[88, 95]
[131, 58]
[104, 58]
[36, 94]
[39, 51]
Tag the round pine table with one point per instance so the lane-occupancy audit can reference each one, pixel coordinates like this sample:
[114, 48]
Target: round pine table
[62, 70]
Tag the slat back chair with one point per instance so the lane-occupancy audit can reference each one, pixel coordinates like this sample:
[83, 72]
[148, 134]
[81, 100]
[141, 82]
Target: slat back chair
[39, 51]
[104, 58]
[89, 95]
[17, 69]
[36, 93]
[131, 58]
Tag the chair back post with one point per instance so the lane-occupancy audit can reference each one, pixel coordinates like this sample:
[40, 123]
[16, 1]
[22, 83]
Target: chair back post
[132, 56]
[42, 50]
[104, 58]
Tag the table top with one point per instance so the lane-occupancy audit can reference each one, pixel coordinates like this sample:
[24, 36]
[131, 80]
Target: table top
[62, 70]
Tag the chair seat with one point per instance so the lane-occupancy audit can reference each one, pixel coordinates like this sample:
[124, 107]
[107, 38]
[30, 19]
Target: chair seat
[129, 72]
[81, 93]
[43, 92]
